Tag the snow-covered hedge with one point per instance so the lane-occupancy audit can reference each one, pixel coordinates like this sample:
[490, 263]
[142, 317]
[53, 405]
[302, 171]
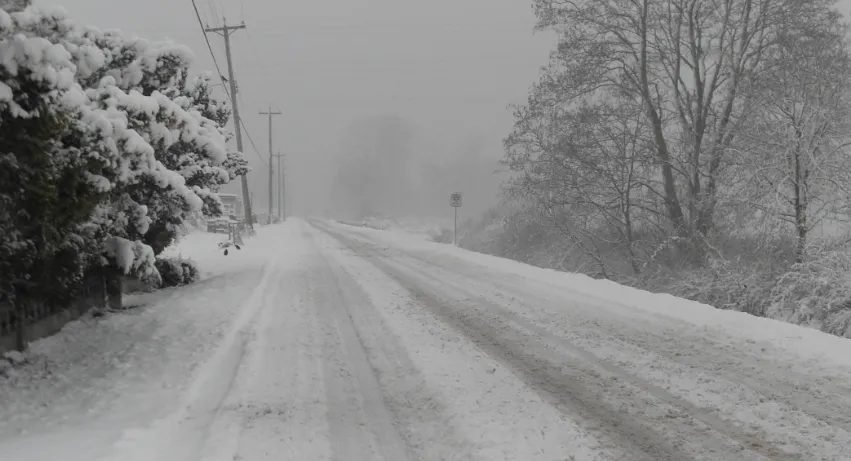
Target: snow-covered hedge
[176, 271]
[107, 146]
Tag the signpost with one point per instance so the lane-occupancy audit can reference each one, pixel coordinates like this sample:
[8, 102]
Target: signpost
[455, 201]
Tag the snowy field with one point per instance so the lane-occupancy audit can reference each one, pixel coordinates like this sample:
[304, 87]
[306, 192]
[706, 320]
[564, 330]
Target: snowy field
[324, 341]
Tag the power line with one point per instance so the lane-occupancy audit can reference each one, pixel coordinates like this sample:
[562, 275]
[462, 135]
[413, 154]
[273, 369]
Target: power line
[256, 151]
[221, 77]
[225, 31]
[213, 10]
[210, 48]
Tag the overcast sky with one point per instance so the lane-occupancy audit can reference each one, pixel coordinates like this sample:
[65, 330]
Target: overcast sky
[449, 66]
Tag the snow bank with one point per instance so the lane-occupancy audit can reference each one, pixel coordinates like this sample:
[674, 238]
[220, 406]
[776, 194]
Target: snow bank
[86, 388]
[427, 228]
[795, 341]
[203, 248]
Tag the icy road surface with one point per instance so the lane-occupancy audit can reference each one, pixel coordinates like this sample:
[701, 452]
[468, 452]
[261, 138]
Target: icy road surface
[321, 341]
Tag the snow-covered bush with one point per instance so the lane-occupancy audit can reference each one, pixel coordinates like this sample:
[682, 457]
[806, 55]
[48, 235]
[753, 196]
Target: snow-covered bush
[726, 284]
[57, 157]
[106, 148]
[816, 293]
[176, 271]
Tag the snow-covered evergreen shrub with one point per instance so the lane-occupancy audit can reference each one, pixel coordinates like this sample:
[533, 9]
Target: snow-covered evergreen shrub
[106, 148]
[176, 271]
[57, 158]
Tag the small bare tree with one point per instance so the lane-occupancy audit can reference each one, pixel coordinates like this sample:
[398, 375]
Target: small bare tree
[798, 146]
[584, 168]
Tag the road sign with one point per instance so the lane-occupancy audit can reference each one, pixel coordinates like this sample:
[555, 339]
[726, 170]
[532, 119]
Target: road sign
[455, 199]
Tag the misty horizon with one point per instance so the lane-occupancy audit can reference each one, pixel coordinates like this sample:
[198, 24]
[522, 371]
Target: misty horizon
[449, 71]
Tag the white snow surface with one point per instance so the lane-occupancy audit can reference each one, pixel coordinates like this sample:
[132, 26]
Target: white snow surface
[99, 377]
[322, 341]
[812, 346]
[425, 228]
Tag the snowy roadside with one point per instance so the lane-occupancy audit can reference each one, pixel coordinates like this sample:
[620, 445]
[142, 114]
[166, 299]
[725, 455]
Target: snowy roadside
[98, 375]
[724, 383]
[425, 228]
[804, 348]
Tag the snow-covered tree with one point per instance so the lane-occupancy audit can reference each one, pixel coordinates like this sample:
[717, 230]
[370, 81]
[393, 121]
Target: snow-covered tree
[171, 113]
[797, 160]
[119, 116]
[57, 158]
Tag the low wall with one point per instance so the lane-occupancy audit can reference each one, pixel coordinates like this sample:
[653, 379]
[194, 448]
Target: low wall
[43, 320]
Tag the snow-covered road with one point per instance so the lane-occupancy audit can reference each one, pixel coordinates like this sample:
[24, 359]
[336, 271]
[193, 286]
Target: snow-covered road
[340, 343]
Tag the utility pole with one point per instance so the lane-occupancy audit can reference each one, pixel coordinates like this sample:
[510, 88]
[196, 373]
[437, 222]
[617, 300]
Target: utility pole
[225, 31]
[271, 158]
[282, 206]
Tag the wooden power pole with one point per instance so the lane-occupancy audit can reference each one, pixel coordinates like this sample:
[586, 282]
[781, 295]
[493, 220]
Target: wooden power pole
[225, 31]
[271, 158]
[282, 206]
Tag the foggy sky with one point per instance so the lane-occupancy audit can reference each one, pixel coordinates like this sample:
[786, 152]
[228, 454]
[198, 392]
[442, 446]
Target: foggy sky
[450, 67]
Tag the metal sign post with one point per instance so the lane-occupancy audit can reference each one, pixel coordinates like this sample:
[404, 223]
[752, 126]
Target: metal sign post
[455, 201]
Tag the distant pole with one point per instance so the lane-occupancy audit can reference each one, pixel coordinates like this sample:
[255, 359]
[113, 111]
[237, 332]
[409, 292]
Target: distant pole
[280, 190]
[455, 201]
[285, 195]
[271, 158]
[282, 206]
[225, 31]
[455, 231]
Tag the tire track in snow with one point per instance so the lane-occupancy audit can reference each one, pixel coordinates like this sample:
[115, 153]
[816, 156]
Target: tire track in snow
[679, 409]
[575, 386]
[183, 435]
[361, 425]
[753, 427]
[418, 413]
[557, 383]
[749, 367]
[276, 409]
[497, 415]
[776, 397]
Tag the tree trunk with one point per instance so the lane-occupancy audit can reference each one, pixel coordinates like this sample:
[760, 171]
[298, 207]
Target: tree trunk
[801, 244]
[800, 202]
[800, 222]
[630, 238]
[114, 288]
[21, 330]
[672, 202]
